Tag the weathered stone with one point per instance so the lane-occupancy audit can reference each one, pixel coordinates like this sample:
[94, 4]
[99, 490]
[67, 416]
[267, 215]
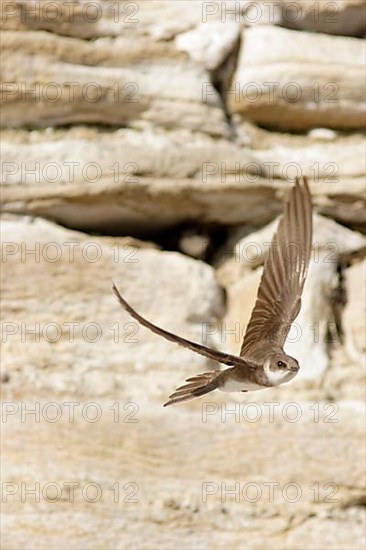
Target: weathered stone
[194, 243]
[303, 90]
[134, 442]
[50, 80]
[355, 314]
[321, 156]
[210, 43]
[77, 280]
[316, 324]
[101, 18]
[245, 250]
[161, 20]
[345, 17]
[261, 488]
[100, 181]
[164, 20]
[179, 163]
[340, 17]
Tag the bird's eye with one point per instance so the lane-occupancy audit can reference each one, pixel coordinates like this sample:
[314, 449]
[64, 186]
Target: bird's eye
[280, 364]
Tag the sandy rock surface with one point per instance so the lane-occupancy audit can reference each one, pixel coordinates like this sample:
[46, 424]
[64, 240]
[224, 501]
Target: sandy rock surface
[129, 156]
[304, 90]
[97, 180]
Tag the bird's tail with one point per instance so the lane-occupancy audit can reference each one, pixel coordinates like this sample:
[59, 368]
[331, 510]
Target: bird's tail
[196, 386]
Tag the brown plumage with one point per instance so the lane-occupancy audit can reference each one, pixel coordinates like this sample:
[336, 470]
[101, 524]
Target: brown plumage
[285, 269]
[262, 362]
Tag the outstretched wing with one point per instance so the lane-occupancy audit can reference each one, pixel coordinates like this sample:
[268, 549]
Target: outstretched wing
[279, 295]
[224, 358]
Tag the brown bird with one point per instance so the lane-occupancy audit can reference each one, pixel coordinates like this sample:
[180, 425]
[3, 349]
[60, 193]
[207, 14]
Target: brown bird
[262, 362]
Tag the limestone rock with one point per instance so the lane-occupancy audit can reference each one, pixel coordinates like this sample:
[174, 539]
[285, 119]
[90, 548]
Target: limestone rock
[344, 378]
[317, 322]
[303, 90]
[178, 166]
[280, 503]
[210, 43]
[161, 20]
[76, 272]
[322, 157]
[99, 181]
[50, 80]
[355, 313]
[345, 17]
[133, 441]
[245, 250]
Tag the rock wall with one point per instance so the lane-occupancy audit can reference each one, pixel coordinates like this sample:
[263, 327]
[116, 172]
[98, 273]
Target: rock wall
[153, 144]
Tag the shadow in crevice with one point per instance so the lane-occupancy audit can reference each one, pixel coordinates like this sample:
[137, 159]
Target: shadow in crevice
[222, 78]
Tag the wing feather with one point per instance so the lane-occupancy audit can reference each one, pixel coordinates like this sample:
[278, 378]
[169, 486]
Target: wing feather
[285, 269]
[219, 356]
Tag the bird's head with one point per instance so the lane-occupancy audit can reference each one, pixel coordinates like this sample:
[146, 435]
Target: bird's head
[280, 368]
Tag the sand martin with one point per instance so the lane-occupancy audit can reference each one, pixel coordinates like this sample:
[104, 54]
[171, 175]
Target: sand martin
[262, 363]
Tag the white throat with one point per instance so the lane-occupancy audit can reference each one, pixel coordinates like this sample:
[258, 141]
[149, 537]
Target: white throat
[278, 377]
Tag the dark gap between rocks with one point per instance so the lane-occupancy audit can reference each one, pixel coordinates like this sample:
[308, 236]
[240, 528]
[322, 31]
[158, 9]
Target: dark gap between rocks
[195, 240]
[199, 241]
[221, 79]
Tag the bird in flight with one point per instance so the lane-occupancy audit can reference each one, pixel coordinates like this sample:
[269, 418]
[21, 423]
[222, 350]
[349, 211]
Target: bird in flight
[262, 363]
